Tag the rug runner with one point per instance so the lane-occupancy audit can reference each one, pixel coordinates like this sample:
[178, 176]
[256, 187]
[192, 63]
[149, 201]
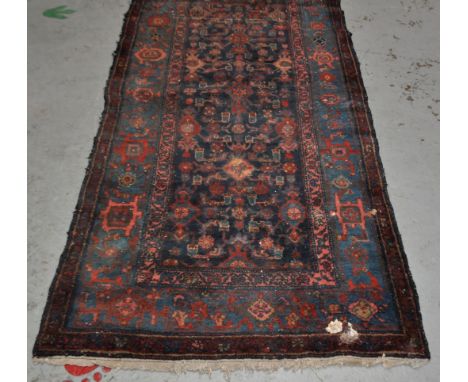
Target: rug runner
[234, 206]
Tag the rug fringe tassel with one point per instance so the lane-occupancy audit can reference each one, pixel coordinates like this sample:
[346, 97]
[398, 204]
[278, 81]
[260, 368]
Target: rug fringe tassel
[230, 365]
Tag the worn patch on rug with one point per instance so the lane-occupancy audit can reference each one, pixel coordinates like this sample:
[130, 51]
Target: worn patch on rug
[234, 206]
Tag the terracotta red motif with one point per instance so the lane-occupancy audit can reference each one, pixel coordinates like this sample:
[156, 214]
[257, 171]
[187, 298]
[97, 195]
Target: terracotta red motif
[120, 216]
[150, 54]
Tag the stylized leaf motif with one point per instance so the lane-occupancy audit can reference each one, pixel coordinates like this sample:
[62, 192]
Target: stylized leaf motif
[59, 12]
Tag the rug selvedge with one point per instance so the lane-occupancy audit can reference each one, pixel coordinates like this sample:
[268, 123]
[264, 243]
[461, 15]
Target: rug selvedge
[235, 205]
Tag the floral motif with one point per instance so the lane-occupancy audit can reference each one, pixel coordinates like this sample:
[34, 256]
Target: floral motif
[363, 309]
[324, 58]
[143, 94]
[261, 310]
[327, 77]
[206, 242]
[148, 54]
[238, 168]
[159, 21]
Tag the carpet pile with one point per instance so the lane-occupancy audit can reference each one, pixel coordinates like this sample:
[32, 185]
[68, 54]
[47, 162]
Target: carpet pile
[235, 206]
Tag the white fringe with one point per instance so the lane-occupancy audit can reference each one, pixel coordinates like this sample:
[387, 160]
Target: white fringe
[230, 365]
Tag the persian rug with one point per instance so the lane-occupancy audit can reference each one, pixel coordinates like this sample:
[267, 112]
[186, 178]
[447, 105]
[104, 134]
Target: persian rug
[234, 207]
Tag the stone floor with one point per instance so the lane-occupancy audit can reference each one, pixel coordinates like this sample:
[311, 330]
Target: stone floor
[398, 45]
